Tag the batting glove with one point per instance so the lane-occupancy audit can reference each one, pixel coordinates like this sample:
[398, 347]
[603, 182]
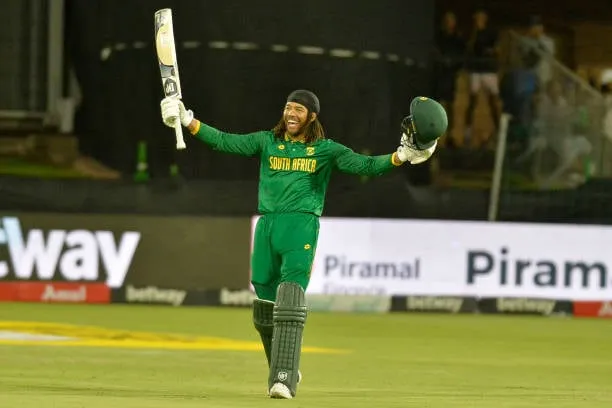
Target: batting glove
[173, 108]
[407, 153]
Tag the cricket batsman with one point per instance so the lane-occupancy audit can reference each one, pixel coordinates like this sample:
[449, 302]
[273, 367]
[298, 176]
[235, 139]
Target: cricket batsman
[297, 161]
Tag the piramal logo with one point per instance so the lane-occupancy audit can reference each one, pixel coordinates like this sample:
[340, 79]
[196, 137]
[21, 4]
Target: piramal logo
[77, 255]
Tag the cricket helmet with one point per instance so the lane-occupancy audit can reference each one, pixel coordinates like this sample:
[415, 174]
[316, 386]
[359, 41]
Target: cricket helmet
[426, 123]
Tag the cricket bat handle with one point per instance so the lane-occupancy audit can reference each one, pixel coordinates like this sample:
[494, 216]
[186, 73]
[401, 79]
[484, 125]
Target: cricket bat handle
[178, 130]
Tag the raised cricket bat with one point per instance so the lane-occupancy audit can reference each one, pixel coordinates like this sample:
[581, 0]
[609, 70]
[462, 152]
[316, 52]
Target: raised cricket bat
[168, 66]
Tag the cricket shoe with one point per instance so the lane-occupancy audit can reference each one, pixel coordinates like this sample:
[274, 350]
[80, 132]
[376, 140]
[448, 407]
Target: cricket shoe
[270, 390]
[280, 391]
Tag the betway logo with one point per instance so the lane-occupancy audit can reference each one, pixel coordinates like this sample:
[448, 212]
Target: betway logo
[526, 305]
[75, 255]
[434, 303]
[153, 294]
[236, 298]
[542, 273]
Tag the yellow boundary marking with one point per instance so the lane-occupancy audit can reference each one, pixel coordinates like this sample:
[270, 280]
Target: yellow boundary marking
[91, 336]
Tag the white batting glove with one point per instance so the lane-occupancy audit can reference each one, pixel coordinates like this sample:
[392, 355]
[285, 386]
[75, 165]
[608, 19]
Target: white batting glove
[173, 108]
[407, 153]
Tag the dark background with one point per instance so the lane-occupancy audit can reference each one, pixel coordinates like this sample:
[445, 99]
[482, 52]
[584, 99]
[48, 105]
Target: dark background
[241, 91]
[362, 100]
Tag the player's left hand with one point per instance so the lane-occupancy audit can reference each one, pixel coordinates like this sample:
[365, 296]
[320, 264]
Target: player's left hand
[406, 151]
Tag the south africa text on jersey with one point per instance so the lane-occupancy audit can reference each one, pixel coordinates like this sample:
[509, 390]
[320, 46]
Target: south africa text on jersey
[293, 164]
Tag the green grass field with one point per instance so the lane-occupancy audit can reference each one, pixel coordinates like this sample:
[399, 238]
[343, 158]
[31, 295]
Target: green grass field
[401, 360]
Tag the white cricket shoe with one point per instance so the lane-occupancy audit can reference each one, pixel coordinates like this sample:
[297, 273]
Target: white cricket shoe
[280, 391]
[299, 381]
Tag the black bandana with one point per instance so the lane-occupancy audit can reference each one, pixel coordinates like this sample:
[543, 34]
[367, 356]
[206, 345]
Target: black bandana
[306, 98]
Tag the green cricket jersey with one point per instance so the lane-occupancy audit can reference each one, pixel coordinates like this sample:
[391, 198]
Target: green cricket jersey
[293, 175]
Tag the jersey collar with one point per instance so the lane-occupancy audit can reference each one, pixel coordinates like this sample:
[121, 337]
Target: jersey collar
[287, 139]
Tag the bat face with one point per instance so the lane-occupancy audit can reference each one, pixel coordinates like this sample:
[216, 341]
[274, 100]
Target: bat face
[165, 44]
[166, 53]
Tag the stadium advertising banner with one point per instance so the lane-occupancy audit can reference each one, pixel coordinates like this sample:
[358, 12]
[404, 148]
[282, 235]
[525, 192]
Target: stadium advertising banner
[463, 259]
[54, 292]
[593, 309]
[127, 253]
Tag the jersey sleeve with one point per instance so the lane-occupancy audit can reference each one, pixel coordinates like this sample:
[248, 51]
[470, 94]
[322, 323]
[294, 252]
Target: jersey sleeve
[348, 161]
[248, 144]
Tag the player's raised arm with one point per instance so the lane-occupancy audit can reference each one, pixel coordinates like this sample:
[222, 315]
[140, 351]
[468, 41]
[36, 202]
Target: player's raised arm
[420, 133]
[243, 144]
[348, 161]
[248, 144]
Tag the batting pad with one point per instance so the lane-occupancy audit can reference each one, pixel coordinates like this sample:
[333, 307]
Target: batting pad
[263, 312]
[289, 319]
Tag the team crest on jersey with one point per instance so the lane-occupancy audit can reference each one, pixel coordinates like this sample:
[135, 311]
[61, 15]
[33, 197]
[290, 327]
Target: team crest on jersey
[310, 151]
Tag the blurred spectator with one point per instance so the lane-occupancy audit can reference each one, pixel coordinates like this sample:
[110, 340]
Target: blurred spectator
[449, 53]
[482, 67]
[537, 51]
[555, 114]
[606, 90]
[522, 82]
[556, 131]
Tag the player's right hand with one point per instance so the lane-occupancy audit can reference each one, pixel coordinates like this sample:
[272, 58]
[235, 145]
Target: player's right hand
[173, 108]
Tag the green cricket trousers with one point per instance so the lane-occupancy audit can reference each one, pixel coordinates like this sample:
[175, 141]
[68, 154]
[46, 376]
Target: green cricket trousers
[283, 251]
